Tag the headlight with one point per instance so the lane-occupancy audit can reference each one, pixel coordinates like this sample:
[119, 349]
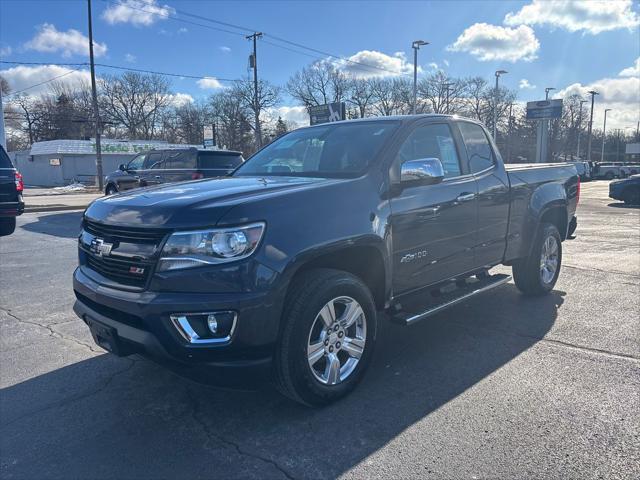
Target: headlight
[213, 246]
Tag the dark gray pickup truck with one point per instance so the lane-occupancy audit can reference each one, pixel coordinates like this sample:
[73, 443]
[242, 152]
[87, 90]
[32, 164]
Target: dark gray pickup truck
[290, 262]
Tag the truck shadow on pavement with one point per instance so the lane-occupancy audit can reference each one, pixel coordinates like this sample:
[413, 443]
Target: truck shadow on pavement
[622, 205]
[56, 224]
[107, 417]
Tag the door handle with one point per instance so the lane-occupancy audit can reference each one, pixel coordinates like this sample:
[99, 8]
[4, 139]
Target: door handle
[465, 197]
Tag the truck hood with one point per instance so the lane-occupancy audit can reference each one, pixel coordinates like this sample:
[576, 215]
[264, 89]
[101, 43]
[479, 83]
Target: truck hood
[192, 204]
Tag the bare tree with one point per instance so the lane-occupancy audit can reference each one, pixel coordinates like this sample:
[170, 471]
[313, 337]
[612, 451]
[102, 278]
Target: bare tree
[135, 101]
[268, 97]
[440, 91]
[231, 115]
[361, 95]
[318, 83]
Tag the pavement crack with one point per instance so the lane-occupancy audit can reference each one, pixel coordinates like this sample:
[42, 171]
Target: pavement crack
[590, 349]
[615, 272]
[52, 332]
[195, 414]
[74, 398]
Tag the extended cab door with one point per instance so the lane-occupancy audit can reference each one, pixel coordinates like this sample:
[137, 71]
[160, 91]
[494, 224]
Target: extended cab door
[433, 226]
[484, 162]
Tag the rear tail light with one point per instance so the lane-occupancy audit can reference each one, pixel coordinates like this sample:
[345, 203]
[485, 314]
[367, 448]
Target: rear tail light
[578, 191]
[19, 182]
[196, 176]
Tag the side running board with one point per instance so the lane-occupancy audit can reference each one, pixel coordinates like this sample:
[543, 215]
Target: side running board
[416, 308]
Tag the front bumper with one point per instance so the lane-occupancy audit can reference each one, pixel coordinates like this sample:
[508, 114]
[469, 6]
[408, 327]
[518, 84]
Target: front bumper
[143, 324]
[12, 209]
[615, 192]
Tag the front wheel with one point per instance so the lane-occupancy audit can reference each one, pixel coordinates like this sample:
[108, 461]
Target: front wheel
[327, 338]
[538, 273]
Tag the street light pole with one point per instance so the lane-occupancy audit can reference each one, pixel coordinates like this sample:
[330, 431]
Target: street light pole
[580, 127]
[546, 92]
[593, 94]
[416, 46]
[604, 133]
[94, 99]
[495, 104]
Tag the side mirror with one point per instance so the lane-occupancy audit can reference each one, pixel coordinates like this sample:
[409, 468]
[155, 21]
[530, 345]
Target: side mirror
[422, 171]
[122, 167]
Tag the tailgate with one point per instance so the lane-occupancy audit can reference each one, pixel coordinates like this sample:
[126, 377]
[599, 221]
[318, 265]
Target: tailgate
[8, 191]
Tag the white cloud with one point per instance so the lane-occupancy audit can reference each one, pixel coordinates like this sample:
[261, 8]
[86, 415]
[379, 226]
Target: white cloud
[5, 51]
[49, 39]
[137, 12]
[577, 15]
[621, 95]
[225, 49]
[524, 83]
[297, 115]
[180, 99]
[130, 58]
[492, 42]
[633, 71]
[446, 63]
[371, 63]
[23, 76]
[182, 30]
[209, 83]
[433, 66]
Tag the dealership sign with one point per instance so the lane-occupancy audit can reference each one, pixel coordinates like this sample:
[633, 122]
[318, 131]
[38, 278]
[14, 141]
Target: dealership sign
[544, 109]
[329, 112]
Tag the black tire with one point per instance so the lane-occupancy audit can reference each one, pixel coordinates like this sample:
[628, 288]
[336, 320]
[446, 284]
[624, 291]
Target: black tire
[631, 196]
[110, 190]
[527, 272]
[7, 226]
[312, 291]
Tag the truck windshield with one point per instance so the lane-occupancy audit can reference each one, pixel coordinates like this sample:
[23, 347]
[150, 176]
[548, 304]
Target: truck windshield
[341, 150]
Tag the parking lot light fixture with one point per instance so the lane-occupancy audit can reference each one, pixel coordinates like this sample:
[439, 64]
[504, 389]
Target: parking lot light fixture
[604, 134]
[495, 106]
[416, 46]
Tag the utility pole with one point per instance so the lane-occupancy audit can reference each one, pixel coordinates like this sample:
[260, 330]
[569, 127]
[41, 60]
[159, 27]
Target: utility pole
[604, 134]
[509, 133]
[3, 140]
[416, 46]
[593, 94]
[256, 102]
[580, 127]
[447, 87]
[94, 97]
[495, 105]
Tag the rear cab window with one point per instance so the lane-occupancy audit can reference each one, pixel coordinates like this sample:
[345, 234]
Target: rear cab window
[480, 155]
[217, 160]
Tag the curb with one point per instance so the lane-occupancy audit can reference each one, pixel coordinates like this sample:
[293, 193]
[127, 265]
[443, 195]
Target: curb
[54, 208]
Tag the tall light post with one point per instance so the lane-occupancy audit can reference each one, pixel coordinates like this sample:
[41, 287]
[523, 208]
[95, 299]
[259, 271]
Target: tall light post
[94, 101]
[580, 127]
[593, 94]
[495, 104]
[416, 46]
[546, 92]
[604, 133]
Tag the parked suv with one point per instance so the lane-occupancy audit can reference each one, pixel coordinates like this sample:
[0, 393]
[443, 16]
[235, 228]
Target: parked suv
[164, 166]
[11, 186]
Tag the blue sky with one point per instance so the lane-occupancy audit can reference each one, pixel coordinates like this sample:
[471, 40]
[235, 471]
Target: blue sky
[567, 45]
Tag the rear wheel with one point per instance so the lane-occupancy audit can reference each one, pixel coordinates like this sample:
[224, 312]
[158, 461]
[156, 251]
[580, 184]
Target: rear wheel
[631, 196]
[537, 274]
[7, 226]
[327, 338]
[609, 176]
[110, 190]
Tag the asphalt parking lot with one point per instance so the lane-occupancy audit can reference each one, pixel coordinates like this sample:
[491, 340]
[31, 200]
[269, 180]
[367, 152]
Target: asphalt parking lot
[500, 387]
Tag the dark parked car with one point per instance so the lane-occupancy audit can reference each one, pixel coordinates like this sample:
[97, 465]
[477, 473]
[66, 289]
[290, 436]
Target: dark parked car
[11, 187]
[164, 166]
[287, 262]
[627, 190]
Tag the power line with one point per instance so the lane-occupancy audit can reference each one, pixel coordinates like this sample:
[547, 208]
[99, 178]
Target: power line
[42, 83]
[246, 29]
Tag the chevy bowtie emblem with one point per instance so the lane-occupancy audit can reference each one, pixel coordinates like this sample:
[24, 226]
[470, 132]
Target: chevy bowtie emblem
[100, 247]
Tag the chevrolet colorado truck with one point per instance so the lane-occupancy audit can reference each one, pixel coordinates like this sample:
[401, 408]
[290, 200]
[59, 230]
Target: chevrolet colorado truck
[11, 187]
[291, 260]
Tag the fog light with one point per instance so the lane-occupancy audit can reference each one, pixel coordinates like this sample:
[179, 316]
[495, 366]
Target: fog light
[207, 327]
[213, 324]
